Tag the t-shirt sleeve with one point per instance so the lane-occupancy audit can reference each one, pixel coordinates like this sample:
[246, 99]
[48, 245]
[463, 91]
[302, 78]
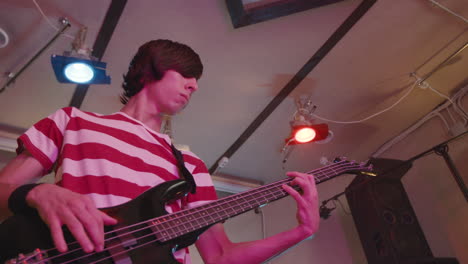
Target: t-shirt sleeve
[44, 139]
[205, 192]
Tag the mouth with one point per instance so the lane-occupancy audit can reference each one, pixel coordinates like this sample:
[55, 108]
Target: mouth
[186, 97]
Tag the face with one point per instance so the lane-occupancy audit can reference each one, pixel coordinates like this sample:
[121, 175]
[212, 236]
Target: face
[172, 93]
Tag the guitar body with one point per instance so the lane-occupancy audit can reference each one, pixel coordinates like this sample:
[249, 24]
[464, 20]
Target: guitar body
[23, 234]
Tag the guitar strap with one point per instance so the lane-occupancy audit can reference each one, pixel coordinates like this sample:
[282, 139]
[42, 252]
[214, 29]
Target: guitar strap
[183, 170]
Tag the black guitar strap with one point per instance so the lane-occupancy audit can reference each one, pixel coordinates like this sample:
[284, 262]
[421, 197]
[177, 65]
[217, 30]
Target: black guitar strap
[183, 170]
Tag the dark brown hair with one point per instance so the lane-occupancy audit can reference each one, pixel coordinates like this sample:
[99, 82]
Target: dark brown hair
[156, 57]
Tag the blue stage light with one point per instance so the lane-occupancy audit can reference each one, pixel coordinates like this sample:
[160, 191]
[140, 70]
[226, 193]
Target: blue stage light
[78, 70]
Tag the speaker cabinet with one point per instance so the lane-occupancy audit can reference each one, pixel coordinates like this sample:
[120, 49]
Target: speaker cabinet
[386, 222]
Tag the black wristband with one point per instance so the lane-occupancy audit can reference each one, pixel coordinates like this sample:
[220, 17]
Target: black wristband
[17, 201]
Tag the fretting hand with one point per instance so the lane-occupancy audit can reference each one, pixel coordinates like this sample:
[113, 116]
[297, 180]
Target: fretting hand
[307, 202]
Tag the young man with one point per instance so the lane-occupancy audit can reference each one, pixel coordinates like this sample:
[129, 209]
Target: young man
[105, 160]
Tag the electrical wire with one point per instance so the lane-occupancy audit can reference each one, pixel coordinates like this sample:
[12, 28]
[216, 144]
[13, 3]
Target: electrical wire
[348, 212]
[448, 10]
[440, 94]
[443, 120]
[5, 37]
[459, 109]
[450, 42]
[435, 113]
[456, 106]
[452, 117]
[387, 145]
[373, 115]
[48, 20]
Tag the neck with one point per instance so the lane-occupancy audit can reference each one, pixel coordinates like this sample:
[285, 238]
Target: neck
[139, 108]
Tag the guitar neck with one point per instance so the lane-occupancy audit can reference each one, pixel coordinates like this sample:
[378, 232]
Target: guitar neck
[174, 225]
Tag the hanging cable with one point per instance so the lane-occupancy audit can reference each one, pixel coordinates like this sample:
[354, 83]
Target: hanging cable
[460, 109]
[371, 116]
[346, 211]
[449, 11]
[48, 20]
[452, 117]
[425, 84]
[435, 113]
[443, 120]
[6, 39]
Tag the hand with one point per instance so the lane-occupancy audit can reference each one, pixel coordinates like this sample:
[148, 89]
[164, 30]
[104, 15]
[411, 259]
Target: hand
[58, 206]
[307, 203]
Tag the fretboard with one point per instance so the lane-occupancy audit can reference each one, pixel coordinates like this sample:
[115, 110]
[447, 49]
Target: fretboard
[174, 225]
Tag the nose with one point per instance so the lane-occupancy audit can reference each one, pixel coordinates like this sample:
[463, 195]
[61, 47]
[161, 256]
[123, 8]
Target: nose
[191, 87]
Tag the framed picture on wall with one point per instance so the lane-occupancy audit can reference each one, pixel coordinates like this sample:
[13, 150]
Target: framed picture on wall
[247, 12]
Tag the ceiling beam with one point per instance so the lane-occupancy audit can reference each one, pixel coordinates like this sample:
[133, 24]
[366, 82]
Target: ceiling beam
[102, 40]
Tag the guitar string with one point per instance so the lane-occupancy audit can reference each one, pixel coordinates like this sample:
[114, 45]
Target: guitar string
[121, 252]
[114, 254]
[217, 204]
[144, 244]
[136, 247]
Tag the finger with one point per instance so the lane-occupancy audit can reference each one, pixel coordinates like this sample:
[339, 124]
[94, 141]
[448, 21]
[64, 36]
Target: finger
[305, 181]
[77, 230]
[294, 174]
[94, 222]
[57, 234]
[303, 184]
[93, 226]
[107, 220]
[296, 195]
[305, 176]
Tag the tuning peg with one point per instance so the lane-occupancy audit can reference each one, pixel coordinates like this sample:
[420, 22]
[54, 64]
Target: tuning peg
[324, 161]
[338, 159]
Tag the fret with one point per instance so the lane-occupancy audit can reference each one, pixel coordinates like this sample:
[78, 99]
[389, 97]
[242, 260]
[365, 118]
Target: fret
[220, 214]
[210, 216]
[193, 219]
[175, 230]
[229, 210]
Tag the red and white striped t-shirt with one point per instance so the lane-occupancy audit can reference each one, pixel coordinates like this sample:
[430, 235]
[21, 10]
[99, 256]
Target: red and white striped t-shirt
[111, 158]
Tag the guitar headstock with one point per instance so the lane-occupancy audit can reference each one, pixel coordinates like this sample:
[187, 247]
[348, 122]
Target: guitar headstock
[353, 167]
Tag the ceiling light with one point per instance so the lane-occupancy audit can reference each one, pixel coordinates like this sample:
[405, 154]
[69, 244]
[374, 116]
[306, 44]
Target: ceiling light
[304, 135]
[308, 133]
[303, 129]
[78, 70]
[78, 66]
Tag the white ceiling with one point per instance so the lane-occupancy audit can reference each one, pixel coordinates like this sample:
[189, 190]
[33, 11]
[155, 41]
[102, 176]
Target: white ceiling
[245, 68]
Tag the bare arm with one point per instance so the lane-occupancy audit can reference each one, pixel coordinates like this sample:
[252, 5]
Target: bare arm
[215, 247]
[21, 170]
[57, 206]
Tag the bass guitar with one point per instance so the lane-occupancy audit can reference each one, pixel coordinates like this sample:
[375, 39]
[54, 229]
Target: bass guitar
[146, 233]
